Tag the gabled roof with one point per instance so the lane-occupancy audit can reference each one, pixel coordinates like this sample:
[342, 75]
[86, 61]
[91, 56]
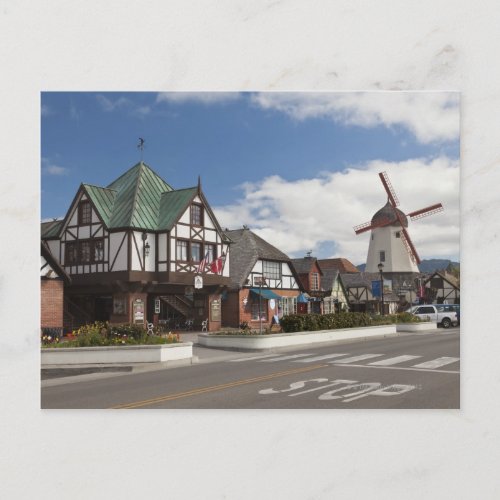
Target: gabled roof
[138, 199]
[447, 277]
[50, 229]
[328, 279]
[246, 249]
[172, 206]
[362, 279]
[305, 265]
[45, 252]
[339, 264]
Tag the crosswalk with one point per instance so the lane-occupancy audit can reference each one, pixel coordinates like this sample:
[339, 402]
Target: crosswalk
[373, 360]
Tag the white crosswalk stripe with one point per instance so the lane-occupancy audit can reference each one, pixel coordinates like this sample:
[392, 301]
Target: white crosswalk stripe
[319, 358]
[394, 361]
[353, 359]
[283, 358]
[251, 358]
[437, 363]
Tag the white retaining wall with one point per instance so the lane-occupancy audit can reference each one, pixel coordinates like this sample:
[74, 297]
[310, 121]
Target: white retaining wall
[416, 327]
[256, 342]
[118, 354]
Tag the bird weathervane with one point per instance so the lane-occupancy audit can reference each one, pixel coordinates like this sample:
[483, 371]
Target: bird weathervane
[141, 146]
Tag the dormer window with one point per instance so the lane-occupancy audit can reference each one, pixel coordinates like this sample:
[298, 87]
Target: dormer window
[196, 215]
[84, 213]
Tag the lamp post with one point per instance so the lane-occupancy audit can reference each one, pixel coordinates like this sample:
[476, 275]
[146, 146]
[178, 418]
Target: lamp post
[380, 269]
[261, 281]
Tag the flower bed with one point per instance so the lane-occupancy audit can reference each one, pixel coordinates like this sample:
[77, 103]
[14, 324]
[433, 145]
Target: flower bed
[103, 334]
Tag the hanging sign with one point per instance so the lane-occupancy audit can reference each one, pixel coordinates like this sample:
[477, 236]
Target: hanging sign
[157, 306]
[198, 282]
[272, 304]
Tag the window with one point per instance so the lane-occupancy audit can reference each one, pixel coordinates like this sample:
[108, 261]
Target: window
[255, 310]
[196, 252]
[382, 256]
[84, 251]
[315, 281]
[196, 215]
[98, 250]
[289, 305]
[181, 250]
[71, 253]
[84, 213]
[210, 252]
[271, 270]
[398, 234]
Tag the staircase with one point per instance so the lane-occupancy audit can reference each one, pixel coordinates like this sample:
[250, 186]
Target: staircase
[74, 316]
[179, 303]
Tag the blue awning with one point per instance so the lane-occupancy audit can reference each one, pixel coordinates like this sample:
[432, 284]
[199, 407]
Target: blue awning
[265, 293]
[302, 298]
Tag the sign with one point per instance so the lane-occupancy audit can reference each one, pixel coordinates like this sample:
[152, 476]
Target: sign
[387, 286]
[138, 309]
[376, 288]
[215, 310]
[272, 304]
[157, 306]
[198, 282]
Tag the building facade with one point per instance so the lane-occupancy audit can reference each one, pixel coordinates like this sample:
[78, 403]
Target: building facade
[134, 248]
[264, 285]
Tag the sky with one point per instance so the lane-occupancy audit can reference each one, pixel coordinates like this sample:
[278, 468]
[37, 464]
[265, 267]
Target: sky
[300, 169]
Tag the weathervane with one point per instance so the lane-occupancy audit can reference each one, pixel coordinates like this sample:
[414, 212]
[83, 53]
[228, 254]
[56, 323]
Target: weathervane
[141, 145]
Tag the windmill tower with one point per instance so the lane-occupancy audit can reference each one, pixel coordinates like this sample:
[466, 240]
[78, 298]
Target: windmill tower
[390, 243]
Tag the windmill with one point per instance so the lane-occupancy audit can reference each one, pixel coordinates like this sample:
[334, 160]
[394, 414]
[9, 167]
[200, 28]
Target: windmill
[390, 242]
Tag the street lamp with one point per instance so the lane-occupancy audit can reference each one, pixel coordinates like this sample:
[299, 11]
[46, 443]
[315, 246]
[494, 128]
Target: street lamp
[380, 269]
[261, 281]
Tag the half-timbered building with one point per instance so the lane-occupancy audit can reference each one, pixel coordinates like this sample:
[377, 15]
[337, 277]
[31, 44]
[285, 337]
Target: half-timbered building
[264, 285]
[442, 288]
[134, 248]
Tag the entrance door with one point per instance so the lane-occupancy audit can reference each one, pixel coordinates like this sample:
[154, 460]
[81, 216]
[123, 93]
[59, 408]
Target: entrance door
[103, 308]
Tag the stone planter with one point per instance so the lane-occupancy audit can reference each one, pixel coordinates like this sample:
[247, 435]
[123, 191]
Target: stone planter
[271, 341]
[117, 354]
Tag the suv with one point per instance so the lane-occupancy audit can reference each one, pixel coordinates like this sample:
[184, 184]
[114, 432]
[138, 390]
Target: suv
[443, 314]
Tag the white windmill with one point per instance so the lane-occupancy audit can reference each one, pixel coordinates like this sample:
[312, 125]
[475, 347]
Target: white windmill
[390, 243]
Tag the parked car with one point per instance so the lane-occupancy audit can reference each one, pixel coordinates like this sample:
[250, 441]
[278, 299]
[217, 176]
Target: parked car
[443, 314]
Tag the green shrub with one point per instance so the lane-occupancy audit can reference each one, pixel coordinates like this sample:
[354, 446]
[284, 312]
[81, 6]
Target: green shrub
[314, 322]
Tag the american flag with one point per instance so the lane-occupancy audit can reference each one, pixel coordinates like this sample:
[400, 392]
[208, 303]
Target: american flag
[203, 263]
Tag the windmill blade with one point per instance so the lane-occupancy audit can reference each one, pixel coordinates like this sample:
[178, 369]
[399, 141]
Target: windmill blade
[410, 247]
[424, 212]
[389, 189]
[367, 226]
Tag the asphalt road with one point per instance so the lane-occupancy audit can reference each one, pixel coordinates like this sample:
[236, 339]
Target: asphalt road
[411, 371]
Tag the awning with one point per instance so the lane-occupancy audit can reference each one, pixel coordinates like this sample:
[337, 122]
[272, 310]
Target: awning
[265, 293]
[303, 298]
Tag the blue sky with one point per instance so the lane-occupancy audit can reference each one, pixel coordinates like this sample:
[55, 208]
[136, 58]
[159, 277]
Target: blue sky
[300, 169]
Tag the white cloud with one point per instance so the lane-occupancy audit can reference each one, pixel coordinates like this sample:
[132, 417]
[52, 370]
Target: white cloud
[46, 110]
[207, 98]
[430, 116]
[52, 169]
[122, 103]
[300, 215]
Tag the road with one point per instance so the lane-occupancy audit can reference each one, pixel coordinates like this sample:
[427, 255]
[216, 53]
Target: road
[410, 371]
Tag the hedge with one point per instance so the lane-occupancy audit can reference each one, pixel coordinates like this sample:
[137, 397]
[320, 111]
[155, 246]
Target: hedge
[314, 322]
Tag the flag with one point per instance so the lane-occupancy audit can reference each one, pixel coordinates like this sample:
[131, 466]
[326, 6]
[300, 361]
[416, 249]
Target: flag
[203, 263]
[218, 264]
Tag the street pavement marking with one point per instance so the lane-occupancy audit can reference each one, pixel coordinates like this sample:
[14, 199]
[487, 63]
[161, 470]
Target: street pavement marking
[319, 358]
[395, 368]
[252, 357]
[356, 358]
[202, 390]
[436, 363]
[394, 361]
[283, 358]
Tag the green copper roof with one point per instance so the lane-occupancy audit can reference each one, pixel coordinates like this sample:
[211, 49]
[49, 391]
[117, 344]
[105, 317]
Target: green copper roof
[137, 200]
[50, 229]
[173, 205]
[103, 200]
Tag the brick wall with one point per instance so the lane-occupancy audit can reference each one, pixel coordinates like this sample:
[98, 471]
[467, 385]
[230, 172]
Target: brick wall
[52, 303]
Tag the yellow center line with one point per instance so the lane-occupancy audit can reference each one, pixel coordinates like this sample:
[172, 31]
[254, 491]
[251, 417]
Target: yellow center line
[202, 390]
